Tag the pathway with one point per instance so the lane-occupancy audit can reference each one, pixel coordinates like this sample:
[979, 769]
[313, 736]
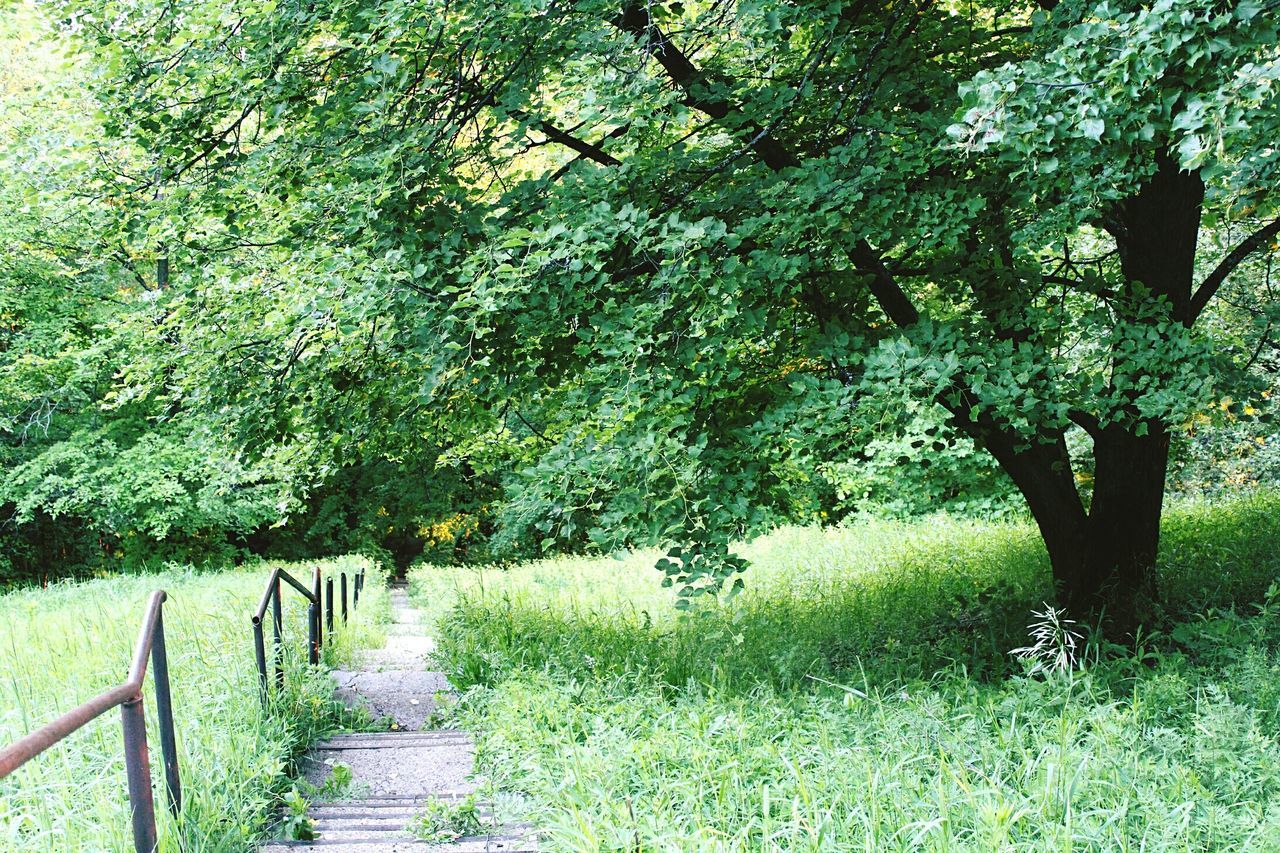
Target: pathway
[395, 773]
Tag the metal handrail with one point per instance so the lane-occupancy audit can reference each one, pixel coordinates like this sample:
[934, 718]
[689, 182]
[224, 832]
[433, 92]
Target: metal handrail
[128, 697]
[271, 598]
[315, 630]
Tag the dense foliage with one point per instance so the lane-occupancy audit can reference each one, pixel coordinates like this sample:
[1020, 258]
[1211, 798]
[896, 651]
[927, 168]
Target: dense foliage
[690, 245]
[601, 273]
[95, 474]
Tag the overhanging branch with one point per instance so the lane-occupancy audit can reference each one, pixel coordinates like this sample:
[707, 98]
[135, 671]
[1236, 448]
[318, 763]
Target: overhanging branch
[636, 21]
[1223, 270]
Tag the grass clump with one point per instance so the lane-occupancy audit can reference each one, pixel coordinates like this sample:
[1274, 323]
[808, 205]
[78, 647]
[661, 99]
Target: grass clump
[863, 695]
[66, 643]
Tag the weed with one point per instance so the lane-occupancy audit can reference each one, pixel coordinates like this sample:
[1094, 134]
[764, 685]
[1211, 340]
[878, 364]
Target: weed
[1055, 642]
[297, 825]
[443, 821]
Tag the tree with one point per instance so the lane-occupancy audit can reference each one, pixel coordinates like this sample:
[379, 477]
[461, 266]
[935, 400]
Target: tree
[714, 233]
[94, 473]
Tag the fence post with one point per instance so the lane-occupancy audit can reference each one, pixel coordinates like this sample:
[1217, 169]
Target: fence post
[355, 592]
[164, 710]
[277, 625]
[343, 577]
[138, 769]
[260, 654]
[317, 636]
[328, 607]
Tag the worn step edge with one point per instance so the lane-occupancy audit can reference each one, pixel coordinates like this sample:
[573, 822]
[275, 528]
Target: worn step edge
[425, 734]
[360, 820]
[380, 817]
[375, 812]
[375, 845]
[425, 743]
[407, 740]
[415, 798]
[386, 837]
[393, 735]
[406, 803]
[387, 807]
[397, 738]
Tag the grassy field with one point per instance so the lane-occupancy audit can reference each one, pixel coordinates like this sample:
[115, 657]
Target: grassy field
[62, 645]
[861, 694]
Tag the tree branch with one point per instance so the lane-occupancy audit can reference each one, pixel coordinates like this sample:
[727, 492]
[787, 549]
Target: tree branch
[568, 140]
[636, 21]
[613, 134]
[1223, 270]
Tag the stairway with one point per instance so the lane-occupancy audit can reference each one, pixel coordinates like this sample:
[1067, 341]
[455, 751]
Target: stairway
[396, 774]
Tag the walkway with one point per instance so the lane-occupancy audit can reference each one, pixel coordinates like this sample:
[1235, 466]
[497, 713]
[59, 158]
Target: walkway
[395, 773]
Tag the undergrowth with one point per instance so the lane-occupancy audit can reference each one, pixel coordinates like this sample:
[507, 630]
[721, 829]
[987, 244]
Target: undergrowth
[862, 694]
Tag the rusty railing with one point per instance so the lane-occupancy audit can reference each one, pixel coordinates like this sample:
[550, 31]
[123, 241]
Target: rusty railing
[271, 598]
[128, 697]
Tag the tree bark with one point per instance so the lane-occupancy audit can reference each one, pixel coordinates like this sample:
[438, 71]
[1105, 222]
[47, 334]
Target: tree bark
[1124, 516]
[1042, 472]
[1103, 557]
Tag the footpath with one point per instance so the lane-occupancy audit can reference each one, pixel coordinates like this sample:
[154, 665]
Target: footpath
[396, 774]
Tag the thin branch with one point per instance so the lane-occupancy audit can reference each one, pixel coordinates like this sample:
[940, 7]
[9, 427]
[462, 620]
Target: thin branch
[1223, 270]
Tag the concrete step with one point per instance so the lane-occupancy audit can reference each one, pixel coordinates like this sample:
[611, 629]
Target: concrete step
[394, 740]
[378, 824]
[404, 629]
[406, 696]
[402, 651]
[395, 774]
[408, 770]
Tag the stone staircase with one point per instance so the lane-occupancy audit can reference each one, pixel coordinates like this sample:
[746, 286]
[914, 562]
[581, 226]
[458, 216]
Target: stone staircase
[396, 774]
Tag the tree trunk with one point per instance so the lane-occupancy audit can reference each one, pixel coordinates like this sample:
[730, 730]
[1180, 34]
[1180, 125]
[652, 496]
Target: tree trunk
[1123, 536]
[1042, 472]
[1103, 559]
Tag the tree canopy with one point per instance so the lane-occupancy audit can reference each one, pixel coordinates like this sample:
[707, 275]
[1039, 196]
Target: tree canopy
[689, 268]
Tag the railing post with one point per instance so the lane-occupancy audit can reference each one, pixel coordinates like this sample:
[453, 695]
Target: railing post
[260, 654]
[355, 590]
[328, 607]
[317, 636]
[343, 584]
[164, 710]
[138, 769]
[277, 625]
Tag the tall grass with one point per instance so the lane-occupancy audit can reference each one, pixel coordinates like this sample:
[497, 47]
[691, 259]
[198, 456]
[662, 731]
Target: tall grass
[861, 695]
[61, 645]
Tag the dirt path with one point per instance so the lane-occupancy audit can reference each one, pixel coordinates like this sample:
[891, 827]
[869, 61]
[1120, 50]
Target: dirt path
[396, 773]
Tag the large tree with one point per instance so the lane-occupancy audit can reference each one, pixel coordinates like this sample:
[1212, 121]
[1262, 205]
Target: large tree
[701, 238]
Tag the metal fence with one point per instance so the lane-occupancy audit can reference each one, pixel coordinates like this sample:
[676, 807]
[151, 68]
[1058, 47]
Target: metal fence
[128, 697]
[271, 598]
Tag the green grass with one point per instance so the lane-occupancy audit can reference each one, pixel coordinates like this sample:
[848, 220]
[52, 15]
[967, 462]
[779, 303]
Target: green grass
[62, 645]
[861, 695]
